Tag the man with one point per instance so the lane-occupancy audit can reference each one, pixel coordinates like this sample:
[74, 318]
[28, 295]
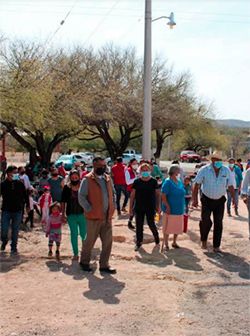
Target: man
[236, 174]
[118, 174]
[24, 178]
[245, 194]
[214, 180]
[96, 196]
[14, 197]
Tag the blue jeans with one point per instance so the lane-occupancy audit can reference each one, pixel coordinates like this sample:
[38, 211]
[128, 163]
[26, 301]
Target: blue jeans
[229, 200]
[119, 189]
[13, 220]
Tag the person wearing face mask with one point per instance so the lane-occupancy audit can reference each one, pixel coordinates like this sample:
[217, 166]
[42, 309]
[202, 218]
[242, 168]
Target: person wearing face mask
[43, 181]
[74, 211]
[237, 177]
[56, 184]
[14, 197]
[214, 180]
[173, 206]
[145, 201]
[96, 196]
[131, 174]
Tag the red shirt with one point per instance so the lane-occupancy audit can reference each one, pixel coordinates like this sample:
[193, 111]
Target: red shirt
[118, 172]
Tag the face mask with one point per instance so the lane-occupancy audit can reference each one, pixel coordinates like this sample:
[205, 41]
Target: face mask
[135, 166]
[218, 164]
[15, 177]
[74, 183]
[145, 174]
[100, 171]
[231, 165]
[178, 176]
[22, 173]
[54, 174]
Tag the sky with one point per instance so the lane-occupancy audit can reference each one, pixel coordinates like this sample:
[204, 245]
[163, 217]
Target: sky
[211, 39]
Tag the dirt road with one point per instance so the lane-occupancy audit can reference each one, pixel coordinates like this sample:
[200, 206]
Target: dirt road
[181, 293]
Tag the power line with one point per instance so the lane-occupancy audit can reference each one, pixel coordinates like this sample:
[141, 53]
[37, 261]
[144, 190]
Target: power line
[50, 38]
[101, 22]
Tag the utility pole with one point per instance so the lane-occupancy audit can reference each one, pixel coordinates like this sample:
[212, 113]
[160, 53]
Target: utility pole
[147, 88]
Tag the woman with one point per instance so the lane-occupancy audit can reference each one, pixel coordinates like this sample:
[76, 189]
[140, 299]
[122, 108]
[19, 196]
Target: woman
[144, 201]
[173, 205]
[74, 212]
[130, 176]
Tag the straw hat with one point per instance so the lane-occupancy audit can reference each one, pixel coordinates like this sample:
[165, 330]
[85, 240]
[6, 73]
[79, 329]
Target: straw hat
[217, 155]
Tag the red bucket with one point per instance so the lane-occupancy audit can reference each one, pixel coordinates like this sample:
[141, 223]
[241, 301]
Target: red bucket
[185, 223]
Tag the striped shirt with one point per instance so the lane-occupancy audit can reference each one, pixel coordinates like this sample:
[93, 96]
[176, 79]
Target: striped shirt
[213, 186]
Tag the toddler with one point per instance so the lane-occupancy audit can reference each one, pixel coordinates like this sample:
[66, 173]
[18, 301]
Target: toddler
[54, 228]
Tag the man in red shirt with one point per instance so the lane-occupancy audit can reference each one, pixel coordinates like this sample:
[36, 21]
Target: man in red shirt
[118, 174]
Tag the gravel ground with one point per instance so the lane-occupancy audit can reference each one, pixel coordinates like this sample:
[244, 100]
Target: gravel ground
[185, 292]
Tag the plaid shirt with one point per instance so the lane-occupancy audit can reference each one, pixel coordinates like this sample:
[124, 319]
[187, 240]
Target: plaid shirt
[213, 186]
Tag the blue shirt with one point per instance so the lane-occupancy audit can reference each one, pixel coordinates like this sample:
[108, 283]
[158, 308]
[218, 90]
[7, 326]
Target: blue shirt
[213, 186]
[175, 193]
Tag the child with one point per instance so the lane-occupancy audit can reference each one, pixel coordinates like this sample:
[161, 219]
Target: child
[54, 228]
[44, 202]
[188, 190]
[32, 204]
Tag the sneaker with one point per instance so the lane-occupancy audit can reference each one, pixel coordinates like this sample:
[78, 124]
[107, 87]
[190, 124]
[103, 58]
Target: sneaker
[130, 225]
[85, 267]
[3, 246]
[50, 254]
[236, 212]
[108, 270]
[229, 214]
[14, 252]
[217, 250]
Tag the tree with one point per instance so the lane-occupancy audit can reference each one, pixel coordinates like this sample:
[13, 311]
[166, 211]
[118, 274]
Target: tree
[172, 104]
[115, 108]
[38, 93]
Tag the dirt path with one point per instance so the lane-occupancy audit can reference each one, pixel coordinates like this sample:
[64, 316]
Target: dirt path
[186, 292]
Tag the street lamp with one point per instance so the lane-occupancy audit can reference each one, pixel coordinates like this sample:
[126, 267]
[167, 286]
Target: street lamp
[147, 85]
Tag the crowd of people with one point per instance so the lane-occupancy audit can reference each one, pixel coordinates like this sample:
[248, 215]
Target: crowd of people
[87, 199]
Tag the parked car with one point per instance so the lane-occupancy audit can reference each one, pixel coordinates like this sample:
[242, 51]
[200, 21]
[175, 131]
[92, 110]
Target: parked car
[68, 161]
[85, 157]
[190, 156]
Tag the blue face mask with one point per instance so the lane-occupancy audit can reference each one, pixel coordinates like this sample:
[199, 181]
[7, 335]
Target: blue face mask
[15, 177]
[145, 174]
[218, 164]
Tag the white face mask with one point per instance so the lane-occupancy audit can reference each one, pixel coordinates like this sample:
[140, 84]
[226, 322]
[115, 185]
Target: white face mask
[178, 176]
[135, 166]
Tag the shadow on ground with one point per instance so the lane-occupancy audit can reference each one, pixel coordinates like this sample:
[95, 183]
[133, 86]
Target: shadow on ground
[8, 263]
[231, 263]
[105, 289]
[183, 258]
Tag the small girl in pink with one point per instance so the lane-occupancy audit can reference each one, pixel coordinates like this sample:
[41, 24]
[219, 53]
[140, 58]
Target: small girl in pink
[44, 202]
[54, 228]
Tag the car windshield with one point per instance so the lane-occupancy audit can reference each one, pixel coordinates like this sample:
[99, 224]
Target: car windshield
[65, 158]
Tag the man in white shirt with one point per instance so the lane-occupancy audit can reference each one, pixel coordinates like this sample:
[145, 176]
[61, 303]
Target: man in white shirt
[24, 178]
[214, 180]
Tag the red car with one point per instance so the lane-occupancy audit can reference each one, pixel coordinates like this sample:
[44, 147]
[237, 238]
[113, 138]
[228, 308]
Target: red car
[190, 156]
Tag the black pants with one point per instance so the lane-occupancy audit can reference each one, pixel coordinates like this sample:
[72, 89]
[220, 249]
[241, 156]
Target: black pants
[30, 218]
[121, 189]
[216, 207]
[139, 218]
